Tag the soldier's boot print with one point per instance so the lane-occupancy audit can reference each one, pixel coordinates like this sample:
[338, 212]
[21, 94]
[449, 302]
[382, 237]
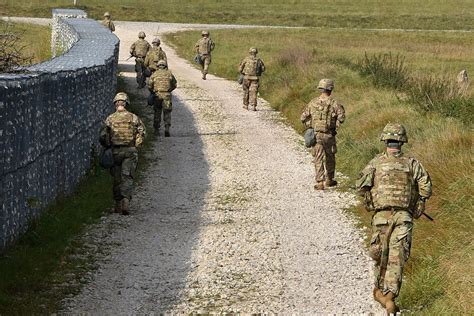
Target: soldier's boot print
[118, 206]
[379, 297]
[125, 206]
[331, 183]
[390, 306]
[319, 186]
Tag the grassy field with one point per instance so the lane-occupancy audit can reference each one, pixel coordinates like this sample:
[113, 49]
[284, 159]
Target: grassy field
[34, 40]
[439, 274]
[416, 14]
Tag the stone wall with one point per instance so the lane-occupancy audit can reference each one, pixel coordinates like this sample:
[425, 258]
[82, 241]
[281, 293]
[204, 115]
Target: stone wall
[50, 116]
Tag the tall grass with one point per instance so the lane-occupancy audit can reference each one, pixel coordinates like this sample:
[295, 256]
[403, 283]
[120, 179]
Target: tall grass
[434, 283]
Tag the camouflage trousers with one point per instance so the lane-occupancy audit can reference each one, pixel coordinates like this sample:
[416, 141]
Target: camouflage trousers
[205, 62]
[325, 156]
[390, 248]
[250, 91]
[140, 70]
[162, 106]
[123, 171]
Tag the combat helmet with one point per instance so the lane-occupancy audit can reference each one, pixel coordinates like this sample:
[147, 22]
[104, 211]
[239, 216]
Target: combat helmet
[107, 14]
[394, 131]
[141, 34]
[253, 50]
[326, 84]
[205, 33]
[156, 40]
[161, 63]
[121, 96]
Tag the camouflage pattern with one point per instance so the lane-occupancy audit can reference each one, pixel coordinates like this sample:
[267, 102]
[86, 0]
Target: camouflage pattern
[251, 68]
[154, 55]
[162, 83]
[124, 132]
[139, 50]
[204, 46]
[394, 131]
[325, 128]
[250, 88]
[107, 22]
[390, 183]
[326, 84]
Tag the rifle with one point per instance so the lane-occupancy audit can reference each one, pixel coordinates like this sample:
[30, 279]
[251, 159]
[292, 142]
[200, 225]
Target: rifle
[129, 57]
[428, 217]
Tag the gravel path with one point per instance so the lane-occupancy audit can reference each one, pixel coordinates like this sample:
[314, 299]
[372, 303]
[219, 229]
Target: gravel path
[225, 218]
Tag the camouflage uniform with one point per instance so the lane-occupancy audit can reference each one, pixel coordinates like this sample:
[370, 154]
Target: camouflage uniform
[251, 67]
[162, 83]
[107, 22]
[204, 46]
[139, 50]
[124, 132]
[395, 187]
[324, 114]
[154, 55]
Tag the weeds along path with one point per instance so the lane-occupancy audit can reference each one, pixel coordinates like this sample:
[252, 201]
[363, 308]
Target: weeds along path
[225, 218]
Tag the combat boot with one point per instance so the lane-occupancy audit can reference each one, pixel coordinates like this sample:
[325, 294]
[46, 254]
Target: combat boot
[319, 186]
[331, 183]
[255, 108]
[246, 107]
[167, 132]
[379, 297]
[125, 206]
[203, 76]
[118, 206]
[390, 306]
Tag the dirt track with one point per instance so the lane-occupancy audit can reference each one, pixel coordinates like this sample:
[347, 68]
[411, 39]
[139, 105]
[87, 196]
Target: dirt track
[225, 218]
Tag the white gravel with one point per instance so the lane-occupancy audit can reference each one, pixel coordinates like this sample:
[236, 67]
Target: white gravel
[225, 218]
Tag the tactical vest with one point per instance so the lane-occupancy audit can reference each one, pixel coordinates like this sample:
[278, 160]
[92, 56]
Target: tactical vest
[204, 46]
[394, 186]
[155, 56]
[141, 48]
[250, 68]
[162, 80]
[122, 131]
[321, 111]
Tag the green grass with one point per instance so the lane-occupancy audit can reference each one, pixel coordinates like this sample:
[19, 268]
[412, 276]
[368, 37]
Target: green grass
[435, 283]
[416, 14]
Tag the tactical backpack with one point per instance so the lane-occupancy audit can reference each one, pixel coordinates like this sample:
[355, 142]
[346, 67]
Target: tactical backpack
[321, 114]
[250, 68]
[204, 46]
[122, 131]
[162, 80]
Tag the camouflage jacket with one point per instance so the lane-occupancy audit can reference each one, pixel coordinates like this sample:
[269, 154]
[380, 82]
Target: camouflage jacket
[420, 181]
[154, 55]
[336, 115]
[251, 67]
[162, 81]
[140, 48]
[204, 46]
[108, 24]
[122, 128]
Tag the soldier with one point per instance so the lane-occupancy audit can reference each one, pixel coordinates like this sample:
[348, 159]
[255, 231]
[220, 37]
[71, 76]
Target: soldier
[107, 22]
[203, 48]
[124, 132]
[324, 114]
[154, 55]
[396, 188]
[139, 49]
[251, 68]
[161, 83]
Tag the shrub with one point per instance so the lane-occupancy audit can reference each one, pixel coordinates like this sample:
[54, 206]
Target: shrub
[385, 70]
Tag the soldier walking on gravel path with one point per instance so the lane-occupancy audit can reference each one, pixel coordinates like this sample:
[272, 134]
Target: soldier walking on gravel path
[324, 114]
[396, 188]
[124, 132]
[107, 22]
[161, 84]
[251, 68]
[139, 49]
[154, 55]
[203, 48]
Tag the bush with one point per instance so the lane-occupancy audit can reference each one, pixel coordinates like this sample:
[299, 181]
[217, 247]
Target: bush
[385, 70]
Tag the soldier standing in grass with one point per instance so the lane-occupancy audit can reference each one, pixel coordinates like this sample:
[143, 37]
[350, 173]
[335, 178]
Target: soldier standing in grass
[107, 22]
[203, 48]
[251, 68]
[161, 84]
[154, 55]
[139, 49]
[124, 132]
[396, 188]
[324, 114]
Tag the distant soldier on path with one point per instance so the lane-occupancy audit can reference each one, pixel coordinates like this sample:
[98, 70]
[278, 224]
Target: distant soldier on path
[324, 114]
[124, 132]
[107, 22]
[139, 49]
[251, 68]
[396, 188]
[154, 55]
[203, 48]
[161, 84]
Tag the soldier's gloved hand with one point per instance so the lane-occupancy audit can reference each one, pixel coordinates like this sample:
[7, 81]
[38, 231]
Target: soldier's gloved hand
[420, 207]
[138, 142]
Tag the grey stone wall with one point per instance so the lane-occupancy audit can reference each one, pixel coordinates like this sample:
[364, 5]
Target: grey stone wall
[50, 117]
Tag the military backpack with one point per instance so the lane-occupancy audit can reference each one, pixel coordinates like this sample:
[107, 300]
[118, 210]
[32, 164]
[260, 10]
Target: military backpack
[321, 112]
